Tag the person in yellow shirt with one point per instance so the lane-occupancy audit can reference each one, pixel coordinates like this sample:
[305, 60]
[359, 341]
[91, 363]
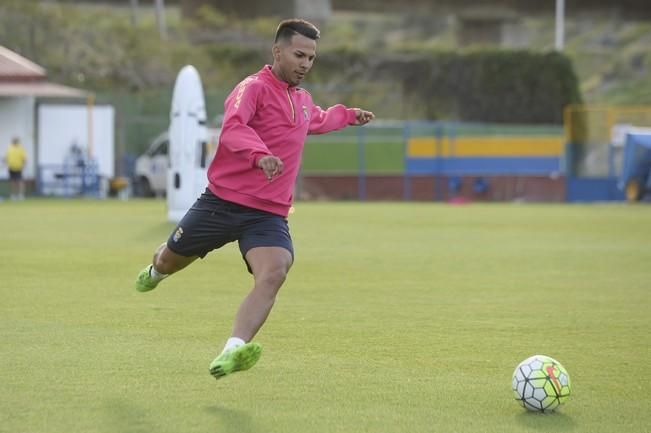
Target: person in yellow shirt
[16, 158]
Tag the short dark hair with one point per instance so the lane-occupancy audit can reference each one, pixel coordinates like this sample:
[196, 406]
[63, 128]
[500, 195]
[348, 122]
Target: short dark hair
[288, 28]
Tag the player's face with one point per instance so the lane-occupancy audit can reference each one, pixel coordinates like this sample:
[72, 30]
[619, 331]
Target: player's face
[294, 59]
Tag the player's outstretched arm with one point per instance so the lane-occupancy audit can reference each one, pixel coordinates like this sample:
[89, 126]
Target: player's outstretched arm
[337, 117]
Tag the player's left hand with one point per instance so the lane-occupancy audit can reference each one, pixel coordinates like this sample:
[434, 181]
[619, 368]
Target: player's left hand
[363, 116]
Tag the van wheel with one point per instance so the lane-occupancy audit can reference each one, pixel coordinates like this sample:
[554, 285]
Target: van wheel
[142, 188]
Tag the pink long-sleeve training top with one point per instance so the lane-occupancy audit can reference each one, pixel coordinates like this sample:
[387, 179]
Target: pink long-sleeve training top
[263, 115]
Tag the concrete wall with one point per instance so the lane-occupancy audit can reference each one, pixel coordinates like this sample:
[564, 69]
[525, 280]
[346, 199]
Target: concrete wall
[317, 10]
[428, 188]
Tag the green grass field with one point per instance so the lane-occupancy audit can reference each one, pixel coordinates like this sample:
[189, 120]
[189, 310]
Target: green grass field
[395, 318]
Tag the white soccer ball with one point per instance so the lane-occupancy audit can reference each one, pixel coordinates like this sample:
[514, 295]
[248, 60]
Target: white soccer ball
[541, 383]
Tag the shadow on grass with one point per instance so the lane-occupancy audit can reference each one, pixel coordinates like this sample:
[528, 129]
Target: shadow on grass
[126, 418]
[547, 422]
[233, 421]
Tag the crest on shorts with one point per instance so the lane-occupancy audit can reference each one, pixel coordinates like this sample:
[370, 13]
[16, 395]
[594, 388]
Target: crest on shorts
[177, 234]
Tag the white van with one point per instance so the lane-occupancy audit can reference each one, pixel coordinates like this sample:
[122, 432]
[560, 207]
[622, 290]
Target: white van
[150, 174]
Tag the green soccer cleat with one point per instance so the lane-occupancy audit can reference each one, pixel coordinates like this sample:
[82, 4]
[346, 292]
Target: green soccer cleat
[236, 359]
[144, 282]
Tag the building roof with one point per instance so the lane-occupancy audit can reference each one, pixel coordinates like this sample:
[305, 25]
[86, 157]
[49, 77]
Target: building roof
[14, 67]
[22, 77]
[40, 89]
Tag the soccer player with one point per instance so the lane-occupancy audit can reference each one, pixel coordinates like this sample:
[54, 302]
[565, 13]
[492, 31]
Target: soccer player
[267, 118]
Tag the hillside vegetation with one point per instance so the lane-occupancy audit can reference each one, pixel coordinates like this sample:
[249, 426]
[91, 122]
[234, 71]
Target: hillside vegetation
[99, 47]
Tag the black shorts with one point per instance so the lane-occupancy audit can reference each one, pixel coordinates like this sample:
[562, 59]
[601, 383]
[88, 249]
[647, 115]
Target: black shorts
[15, 175]
[212, 223]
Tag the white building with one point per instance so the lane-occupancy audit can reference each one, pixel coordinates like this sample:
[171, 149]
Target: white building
[23, 88]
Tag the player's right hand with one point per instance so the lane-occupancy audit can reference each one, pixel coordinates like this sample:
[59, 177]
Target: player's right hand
[272, 166]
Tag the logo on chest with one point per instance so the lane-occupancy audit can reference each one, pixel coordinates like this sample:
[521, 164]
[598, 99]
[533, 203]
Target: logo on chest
[306, 115]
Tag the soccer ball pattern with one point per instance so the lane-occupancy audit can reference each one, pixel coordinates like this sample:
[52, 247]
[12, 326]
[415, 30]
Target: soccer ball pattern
[541, 384]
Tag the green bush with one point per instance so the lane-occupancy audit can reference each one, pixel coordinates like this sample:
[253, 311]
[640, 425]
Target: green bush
[491, 85]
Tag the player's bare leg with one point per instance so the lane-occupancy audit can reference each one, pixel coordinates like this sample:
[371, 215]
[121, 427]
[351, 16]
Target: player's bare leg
[21, 190]
[164, 263]
[14, 189]
[270, 266]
